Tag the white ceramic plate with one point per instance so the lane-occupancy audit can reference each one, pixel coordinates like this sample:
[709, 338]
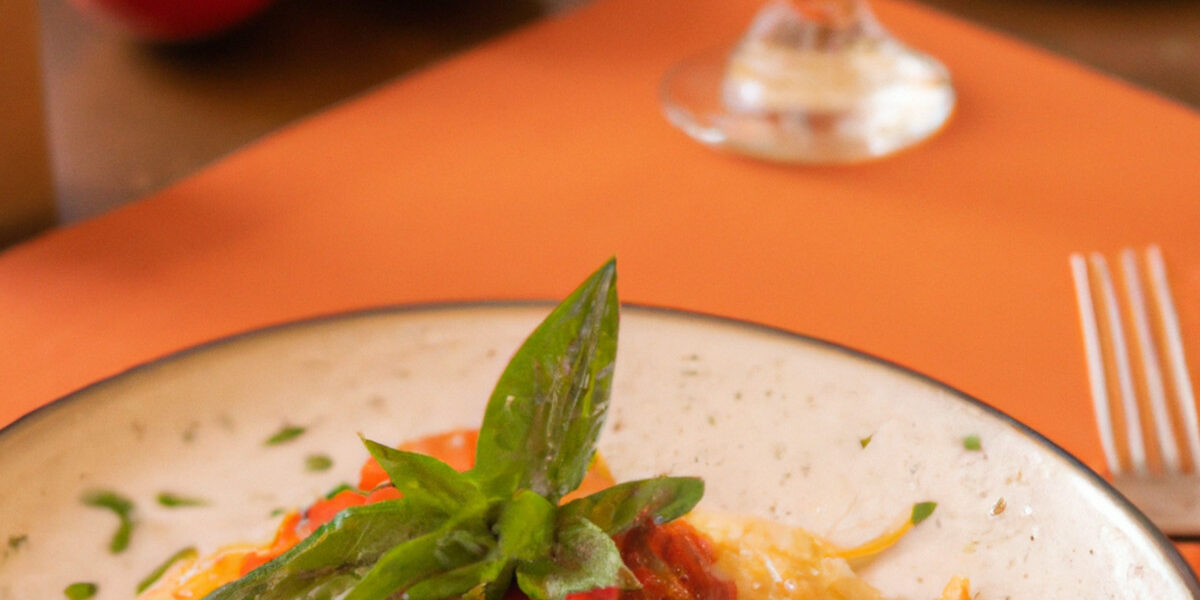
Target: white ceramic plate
[771, 420]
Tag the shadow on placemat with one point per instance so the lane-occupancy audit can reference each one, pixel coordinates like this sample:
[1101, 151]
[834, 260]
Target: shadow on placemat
[166, 110]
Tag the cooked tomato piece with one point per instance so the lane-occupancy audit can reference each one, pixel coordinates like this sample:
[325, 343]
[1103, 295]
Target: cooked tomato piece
[285, 538]
[324, 510]
[672, 562]
[384, 492]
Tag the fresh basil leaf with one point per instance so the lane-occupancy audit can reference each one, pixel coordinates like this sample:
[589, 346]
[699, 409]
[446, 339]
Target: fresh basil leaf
[344, 547]
[526, 526]
[457, 582]
[462, 541]
[622, 506]
[584, 559]
[324, 588]
[426, 479]
[542, 420]
[330, 585]
[158, 571]
[497, 589]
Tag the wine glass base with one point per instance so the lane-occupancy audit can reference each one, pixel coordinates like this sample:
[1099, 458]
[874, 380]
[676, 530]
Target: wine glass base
[895, 116]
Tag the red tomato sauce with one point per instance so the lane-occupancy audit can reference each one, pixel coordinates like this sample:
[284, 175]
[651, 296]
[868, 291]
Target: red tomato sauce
[673, 562]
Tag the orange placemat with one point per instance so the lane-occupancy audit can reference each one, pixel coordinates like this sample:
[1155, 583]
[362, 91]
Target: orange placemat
[506, 172]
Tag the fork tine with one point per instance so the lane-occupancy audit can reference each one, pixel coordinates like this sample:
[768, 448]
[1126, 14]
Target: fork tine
[1167, 445]
[1174, 344]
[1095, 361]
[1120, 352]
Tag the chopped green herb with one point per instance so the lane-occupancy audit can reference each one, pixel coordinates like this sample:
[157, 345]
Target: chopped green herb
[16, 541]
[158, 571]
[317, 462]
[122, 507]
[80, 591]
[286, 434]
[864, 441]
[971, 442]
[110, 500]
[170, 500]
[921, 511]
[278, 511]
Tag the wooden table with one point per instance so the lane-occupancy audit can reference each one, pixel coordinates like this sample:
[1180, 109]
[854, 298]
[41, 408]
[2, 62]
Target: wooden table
[128, 119]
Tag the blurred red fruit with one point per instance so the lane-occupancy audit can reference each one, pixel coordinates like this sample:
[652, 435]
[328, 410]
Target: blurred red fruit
[173, 20]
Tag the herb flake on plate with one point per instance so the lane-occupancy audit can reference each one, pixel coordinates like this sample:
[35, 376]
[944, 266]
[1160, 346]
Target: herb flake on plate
[922, 511]
[120, 506]
[315, 463]
[80, 591]
[285, 434]
[171, 500]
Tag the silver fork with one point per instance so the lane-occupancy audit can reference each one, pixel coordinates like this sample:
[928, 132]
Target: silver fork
[1169, 495]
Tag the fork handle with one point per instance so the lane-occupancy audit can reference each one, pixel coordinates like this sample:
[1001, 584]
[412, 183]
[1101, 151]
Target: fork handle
[1172, 503]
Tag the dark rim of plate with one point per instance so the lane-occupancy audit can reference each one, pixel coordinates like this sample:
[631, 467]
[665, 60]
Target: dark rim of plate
[1169, 552]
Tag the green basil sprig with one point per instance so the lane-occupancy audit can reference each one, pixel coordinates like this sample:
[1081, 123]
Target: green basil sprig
[472, 534]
